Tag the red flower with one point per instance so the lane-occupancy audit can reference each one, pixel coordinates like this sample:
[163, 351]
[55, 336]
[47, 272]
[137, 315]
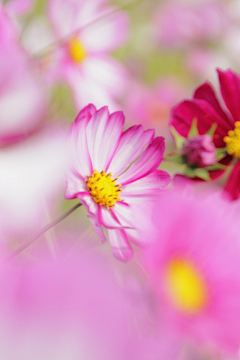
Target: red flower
[206, 108]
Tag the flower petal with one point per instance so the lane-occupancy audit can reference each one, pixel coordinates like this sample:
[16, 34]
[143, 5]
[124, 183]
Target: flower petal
[105, 34]
[78, 141]
[183, 114]
[121, 248]
[74, 185]
[132, 143]
[206, 92]
[148, 185]
[103, 135]
[230, 90]
[118, 217]
[232, 186]
[93, 213]
[148, 162]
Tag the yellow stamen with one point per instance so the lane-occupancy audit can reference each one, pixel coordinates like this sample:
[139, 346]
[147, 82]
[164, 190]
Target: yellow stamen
[77, 50]
[186, 286]
[233, 141]
[103, 188]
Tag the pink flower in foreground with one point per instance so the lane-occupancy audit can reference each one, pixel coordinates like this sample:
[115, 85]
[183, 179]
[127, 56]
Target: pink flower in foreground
[194, 268]
[101, 177]
[87, 31]
[69, 308]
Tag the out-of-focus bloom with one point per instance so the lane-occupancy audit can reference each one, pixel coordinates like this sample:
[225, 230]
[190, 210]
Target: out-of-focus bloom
[32, 174]
[22, 98]
[206, 108]
[87, 31]
[194, 269]
[112, 171]
[194, 22]
[151, 106]
[199, 151]
[59, 309]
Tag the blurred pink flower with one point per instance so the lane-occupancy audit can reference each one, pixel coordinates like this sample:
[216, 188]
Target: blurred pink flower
[101, 177]
[193, 22]
[22, 97]
[194, 269]
[69, 308]
[87, 31]
[151, 106]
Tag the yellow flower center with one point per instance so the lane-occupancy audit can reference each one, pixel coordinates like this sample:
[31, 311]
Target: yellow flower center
[103, 188]
[186, 286]
[77, 50]
[233, 141]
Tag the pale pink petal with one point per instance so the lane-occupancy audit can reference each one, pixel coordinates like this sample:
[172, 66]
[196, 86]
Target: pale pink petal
[103, 135]
[148, 162]
[78, 142]
[121, 247]
[123, 212]
[93, 213]
[62, 15]
[105, 34]
[132, 143]
[19, 7]
[74, 185]
[117, 217]
[86, 90]
[148, 185]
[107, 72]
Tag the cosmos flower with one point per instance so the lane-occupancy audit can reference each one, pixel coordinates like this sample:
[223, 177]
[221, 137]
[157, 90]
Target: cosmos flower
[195, 271]
[112, 171]
[87, 31]
[206, 109]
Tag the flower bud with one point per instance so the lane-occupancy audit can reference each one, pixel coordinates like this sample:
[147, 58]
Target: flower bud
[199, 151]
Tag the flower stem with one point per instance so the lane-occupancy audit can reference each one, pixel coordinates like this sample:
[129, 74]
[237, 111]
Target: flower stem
[43, 230]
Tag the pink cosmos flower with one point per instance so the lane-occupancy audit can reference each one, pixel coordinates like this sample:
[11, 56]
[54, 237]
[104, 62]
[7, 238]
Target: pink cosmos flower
[194, 270]
[112, 174]
[87, 31]
[206, 108]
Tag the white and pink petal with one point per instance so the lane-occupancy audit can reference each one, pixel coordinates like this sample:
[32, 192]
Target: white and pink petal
[147, 163]
[121, 248]
[103, 135]
[148, 185]
[93, 213]
[132, 143]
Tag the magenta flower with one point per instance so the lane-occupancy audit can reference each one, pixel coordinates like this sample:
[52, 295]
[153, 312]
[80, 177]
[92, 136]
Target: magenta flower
[87, 31]
[112, 171]
[194, 270]
[199, 151]
[206, 108]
